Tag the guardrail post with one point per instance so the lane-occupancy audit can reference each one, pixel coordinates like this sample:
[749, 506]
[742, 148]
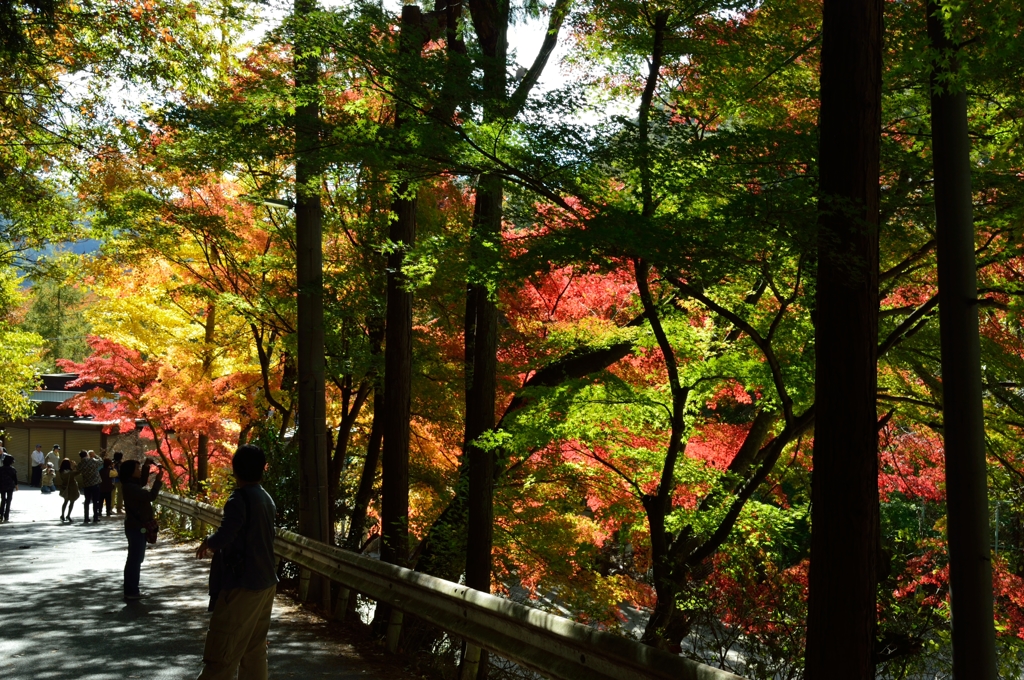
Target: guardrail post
[470, 662]
[394, 630]
[340, 609]
[303, 584]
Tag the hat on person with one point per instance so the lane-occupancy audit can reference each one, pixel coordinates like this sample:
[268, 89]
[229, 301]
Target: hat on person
[83, 453]
[56, 446]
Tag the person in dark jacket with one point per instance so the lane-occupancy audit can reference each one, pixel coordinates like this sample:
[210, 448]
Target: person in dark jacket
[67, 484]
[8, 485]
[138, 503]
[243, 576]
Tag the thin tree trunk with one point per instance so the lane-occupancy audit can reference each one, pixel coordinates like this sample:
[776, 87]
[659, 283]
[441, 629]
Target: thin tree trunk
[364, 494]
[203, 447]
[658, 505]
[339, 459]
[844, 483]
[970, 566]
[312, 418]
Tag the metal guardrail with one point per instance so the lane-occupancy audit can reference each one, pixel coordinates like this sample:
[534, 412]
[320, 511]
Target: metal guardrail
[550, 645]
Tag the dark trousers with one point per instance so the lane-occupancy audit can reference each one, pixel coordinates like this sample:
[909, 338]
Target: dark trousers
[133, 565]
[92, 500]
[5, 504]
[108, 498]
[37, 475]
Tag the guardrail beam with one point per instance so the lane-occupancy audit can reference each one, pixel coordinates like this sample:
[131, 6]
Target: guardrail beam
[550, 645]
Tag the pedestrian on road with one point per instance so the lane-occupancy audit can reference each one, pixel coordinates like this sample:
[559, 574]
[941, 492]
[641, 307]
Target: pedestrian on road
[8, 485]
[38, 458]
[89, 469]
[106, 486]
[53, 456]
[118, 491]
[67, 482]
[243, 576]
[138, 502]
[48, 474]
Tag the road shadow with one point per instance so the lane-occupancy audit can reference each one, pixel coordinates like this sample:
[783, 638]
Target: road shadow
[62, 614]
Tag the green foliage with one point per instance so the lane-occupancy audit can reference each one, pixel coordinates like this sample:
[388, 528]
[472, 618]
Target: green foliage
[281, 478]
[56, 314]
[20, 353]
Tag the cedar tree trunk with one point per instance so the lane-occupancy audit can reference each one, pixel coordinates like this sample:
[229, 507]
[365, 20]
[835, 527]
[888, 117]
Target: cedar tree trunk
[312, 418]
[398, 352]
[844, 482]
[970, 566]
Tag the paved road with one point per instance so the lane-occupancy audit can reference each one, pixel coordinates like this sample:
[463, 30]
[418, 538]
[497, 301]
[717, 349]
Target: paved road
[62, 615]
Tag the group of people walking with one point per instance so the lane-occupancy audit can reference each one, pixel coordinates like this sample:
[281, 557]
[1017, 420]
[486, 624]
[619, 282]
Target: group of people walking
[97, 479]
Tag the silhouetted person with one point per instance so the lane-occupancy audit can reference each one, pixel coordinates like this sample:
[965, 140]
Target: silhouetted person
[243, 576]
[138, 503]
[8, 485]
[106, 487]
[67, 484]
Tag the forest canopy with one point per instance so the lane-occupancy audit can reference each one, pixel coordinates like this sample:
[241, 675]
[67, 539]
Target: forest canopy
[528, 290]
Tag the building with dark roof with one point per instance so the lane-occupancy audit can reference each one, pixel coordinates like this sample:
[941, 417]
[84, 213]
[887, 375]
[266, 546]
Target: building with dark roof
[54, 423]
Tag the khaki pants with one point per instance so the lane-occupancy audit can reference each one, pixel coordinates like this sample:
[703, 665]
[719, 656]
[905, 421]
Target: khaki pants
[118, 497]
[237, 639]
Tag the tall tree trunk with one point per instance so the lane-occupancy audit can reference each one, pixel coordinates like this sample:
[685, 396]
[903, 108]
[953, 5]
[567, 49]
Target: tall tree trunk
[970, 566]
[490, 19]
[480, 405]
[203, 447]
[397, 388]
[312, 418]
[398, 348]
[844, 482]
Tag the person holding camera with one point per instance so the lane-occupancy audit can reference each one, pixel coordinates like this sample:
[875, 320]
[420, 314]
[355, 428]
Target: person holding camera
[243, 576]
[138, 502]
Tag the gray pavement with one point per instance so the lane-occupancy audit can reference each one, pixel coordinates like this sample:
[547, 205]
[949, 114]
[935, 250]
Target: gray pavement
[62, 614]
